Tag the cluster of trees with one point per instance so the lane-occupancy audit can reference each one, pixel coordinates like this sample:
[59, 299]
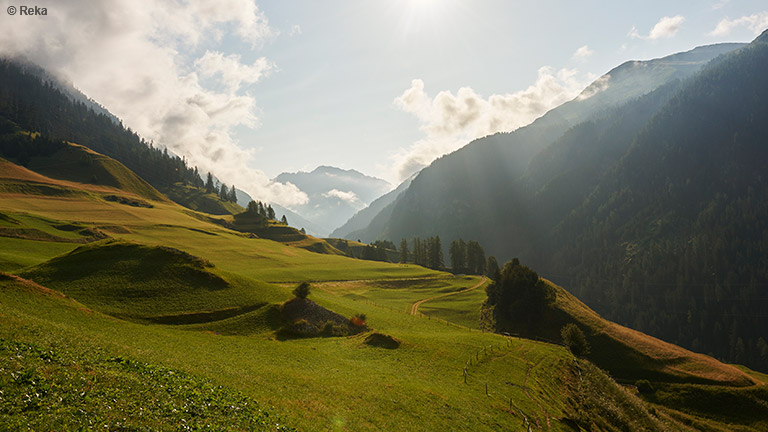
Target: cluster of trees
[259, 208]
[375, 251]
[517, 297]
[427, 252]
[225, 193]
[467, 257]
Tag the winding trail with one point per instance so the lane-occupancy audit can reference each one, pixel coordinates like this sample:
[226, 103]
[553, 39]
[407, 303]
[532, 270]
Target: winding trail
[415, 306]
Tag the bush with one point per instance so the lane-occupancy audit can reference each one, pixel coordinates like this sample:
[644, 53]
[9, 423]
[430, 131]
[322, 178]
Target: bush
[302, 290]
[575, 340]
[358, 320]
[331, 328]
[644, 386]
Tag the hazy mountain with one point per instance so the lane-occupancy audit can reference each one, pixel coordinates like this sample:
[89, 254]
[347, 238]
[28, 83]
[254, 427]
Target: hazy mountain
[654, 211]
[334, 194]
[463, 194]
[363, 218]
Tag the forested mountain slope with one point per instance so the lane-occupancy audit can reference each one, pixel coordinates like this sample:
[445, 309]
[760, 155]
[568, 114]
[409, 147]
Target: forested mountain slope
[459, 194]
[674, 240]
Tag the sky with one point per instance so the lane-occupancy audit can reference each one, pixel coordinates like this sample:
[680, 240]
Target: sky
[249, 89]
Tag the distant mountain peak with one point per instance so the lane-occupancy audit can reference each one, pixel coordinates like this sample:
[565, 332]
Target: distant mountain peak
[335, 194]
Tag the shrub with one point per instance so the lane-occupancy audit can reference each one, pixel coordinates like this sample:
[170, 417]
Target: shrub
[575, 340]
[644, 386]
[358, 320]
[302, 290]
[299, 327]
[331, 328]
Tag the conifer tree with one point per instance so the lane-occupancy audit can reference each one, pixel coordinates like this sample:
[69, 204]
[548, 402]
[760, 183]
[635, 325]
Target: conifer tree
[403, 251]
[209, 186]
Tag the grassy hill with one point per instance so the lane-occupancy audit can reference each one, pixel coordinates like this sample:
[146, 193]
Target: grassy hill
[151, 283]
[197, 199]
[177, 311]
[313, 383]
[273, 230]
[80, 164]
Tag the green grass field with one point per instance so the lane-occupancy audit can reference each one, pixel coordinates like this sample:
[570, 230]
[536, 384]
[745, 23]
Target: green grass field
[316, 384]
[171, 324]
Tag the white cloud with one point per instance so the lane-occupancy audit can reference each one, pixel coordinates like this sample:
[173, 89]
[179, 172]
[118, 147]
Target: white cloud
[230, 70]
[348, 197]
[295, 30]
[582, 54]
[450, 121]
[137, 58]
[667, 27]
[756, 23]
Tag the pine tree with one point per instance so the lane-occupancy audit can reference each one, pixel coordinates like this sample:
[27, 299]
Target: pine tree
[492, 269]
[270, 212]
[457, 253]
[284, 220]
[403, 251]
[224, 192]
[233, 194]
[209, 186]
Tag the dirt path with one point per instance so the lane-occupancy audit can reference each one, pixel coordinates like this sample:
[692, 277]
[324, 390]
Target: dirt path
[415, 306]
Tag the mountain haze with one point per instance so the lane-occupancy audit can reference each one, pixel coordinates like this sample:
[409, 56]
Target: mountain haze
[459, 190]
[360, 220]
[652, 212]
[334, 194]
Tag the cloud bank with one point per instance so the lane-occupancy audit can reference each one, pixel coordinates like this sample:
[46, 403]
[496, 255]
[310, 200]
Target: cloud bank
[667, 27]
[145, 62]
[756, 23]
[349, 197]
[450, 121]
[582, 54]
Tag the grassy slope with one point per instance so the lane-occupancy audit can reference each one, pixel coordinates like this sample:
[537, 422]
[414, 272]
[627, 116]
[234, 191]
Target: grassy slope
[633, 355]
[151, 283]
[196, 199]
[314, 381]
[57, 381]
[168, 224]
[273, 230]
[320, 384]
[82, 165]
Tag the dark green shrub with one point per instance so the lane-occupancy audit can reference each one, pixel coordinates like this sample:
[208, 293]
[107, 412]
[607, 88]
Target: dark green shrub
[644, 386]
[574, 339]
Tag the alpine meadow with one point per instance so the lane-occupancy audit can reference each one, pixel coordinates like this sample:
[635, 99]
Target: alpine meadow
[224, 218]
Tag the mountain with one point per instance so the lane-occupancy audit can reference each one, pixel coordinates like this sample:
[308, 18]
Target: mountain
[120, 296]
[360, 220]
[334, 194]
[459, 194]
[678, 225]
[652, 212]
[33, 102]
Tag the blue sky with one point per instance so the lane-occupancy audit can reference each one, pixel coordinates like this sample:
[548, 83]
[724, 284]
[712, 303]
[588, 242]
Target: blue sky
[251, 89]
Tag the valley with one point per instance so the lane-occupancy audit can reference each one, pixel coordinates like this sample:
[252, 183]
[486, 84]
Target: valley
[602, 268]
